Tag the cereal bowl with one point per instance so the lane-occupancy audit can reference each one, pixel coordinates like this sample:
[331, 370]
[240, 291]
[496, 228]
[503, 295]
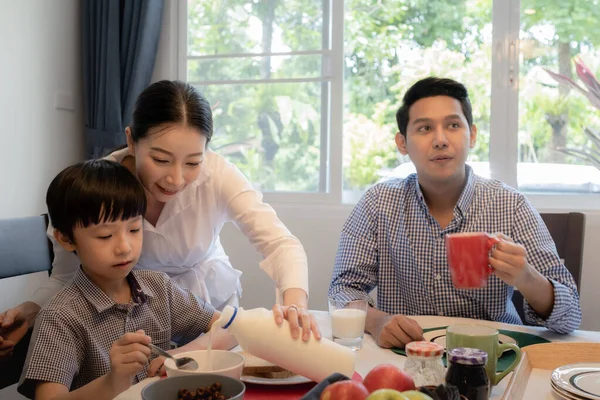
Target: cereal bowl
[222, 362]
[168, 388]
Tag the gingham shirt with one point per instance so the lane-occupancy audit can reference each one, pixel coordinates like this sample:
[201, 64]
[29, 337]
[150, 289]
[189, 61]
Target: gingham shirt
[74, 332]
[390, 241]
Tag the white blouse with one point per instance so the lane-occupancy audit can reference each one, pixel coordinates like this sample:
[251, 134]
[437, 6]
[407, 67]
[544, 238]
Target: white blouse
[185, 242]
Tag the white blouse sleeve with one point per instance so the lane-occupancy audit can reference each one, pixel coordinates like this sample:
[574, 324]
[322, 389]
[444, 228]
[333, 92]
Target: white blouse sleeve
[284, 257]
[64, 268]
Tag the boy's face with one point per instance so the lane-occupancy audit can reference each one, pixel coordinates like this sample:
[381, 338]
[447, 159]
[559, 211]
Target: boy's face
[438, 139]
[168, 159]
[107, 251]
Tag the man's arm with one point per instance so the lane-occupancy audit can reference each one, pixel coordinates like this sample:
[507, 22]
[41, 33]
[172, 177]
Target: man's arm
[550, 292]
[357, 260]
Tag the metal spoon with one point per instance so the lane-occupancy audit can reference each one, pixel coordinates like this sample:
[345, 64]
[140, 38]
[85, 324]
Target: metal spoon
[186, 363]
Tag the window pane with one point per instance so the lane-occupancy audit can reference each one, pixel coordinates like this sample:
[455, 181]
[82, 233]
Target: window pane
[239, 26]
[390, 45]
[272, 132]
[554, 115]
[280, 67]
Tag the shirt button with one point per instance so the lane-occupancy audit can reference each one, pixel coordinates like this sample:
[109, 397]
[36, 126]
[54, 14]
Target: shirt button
[438, 277]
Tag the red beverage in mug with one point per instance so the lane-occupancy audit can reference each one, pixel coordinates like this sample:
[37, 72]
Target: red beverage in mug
[468, 258]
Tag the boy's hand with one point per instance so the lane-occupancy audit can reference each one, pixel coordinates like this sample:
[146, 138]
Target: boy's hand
[128, 356]
[157, 367]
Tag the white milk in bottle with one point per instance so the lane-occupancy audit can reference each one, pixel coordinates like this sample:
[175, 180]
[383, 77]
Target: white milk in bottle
[258, 334]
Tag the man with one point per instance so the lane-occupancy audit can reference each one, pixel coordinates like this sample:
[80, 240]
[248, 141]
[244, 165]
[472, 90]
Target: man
[394, 237]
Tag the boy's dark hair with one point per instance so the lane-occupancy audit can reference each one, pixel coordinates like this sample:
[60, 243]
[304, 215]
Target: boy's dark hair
[92, 192]
[430, 87]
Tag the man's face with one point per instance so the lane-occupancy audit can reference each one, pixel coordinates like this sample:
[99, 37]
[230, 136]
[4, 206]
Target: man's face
[438, 139]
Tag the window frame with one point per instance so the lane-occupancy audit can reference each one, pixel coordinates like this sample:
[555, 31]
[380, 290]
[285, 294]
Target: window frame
[504, 117]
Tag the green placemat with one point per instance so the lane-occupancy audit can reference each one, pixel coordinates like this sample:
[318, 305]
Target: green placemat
[507, 358]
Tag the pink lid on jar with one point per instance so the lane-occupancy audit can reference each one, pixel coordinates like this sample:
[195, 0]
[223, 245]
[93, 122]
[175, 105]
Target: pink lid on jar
[424, 349]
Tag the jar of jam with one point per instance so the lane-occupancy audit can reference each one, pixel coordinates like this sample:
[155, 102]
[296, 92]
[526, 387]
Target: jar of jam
[466, 372]
[424, 363]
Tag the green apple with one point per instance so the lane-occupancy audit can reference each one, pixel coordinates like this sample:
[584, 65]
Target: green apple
[387, 394]
[416, 395]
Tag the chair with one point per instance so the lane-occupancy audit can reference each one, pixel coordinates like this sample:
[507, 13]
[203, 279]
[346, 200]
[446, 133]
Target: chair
[24, 246]
[24, 249]
[567, 231]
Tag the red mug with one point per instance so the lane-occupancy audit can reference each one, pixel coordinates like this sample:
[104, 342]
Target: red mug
[468, 258]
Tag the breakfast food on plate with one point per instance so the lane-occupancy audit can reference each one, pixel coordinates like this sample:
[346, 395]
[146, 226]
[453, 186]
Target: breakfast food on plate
[212, 392]
[258, 367]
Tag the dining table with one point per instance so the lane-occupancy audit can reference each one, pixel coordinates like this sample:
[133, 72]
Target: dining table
[371, 355]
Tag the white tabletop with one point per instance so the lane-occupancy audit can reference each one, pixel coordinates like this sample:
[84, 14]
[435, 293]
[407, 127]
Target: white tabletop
[372, 355]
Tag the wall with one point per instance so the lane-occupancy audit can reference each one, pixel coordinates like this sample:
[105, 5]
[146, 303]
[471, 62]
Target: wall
[40, 58]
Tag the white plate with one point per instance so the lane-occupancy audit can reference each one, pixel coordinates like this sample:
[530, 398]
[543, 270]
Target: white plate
[439, 336]
[563, 394]
[582, 380]
[292, 380]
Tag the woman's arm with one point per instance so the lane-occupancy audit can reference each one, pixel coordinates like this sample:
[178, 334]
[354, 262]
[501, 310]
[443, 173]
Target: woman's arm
[284, 258]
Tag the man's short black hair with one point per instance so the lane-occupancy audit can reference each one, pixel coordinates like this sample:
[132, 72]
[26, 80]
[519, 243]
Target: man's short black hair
[430, 87]
[93, 192]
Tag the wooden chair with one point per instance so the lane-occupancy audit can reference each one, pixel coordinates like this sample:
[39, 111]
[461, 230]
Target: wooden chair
[567, 231]
[24, 249]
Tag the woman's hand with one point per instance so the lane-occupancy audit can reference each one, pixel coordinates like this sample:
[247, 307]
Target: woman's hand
[298, 317]
[14, 324]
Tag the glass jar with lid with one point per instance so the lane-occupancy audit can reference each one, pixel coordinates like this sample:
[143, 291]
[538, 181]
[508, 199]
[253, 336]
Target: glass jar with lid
[424, 363]
[466, 372]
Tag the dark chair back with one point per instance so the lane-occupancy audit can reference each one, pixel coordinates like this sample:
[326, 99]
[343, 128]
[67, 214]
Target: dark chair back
[24, 246]
[568, 232]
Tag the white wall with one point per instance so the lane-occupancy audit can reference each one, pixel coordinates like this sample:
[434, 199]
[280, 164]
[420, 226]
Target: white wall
[40, 56]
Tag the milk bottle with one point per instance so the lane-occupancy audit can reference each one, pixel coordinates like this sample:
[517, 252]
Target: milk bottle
[258, 334]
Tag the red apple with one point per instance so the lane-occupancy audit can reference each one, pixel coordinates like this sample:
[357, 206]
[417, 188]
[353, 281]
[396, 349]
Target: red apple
[345, 390]
[388, 376]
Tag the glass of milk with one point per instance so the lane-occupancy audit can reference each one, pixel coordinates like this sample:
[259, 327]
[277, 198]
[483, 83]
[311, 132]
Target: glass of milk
[348, 321]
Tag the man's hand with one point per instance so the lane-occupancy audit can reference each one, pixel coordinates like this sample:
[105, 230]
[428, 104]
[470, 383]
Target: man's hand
[392, 330]
[14, 324]
[509, 261]
[128, 356]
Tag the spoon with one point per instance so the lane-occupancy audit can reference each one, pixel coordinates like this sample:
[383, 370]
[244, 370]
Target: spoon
[186, 363]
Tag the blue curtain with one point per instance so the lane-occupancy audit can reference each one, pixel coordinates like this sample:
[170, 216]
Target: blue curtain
[120, 40]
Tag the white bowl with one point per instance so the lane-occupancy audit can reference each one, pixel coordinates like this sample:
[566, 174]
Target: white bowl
[224, 362]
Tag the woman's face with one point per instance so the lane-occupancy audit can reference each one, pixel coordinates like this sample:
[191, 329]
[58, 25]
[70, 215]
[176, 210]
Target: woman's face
[168, 159]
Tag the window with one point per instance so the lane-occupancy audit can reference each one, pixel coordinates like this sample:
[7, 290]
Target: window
[263, 67]
[305, 91]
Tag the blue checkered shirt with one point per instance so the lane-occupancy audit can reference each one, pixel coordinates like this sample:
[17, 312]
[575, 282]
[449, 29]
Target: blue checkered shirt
[392, 243]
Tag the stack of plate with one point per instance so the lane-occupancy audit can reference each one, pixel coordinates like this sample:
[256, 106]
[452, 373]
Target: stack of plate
[577, 381]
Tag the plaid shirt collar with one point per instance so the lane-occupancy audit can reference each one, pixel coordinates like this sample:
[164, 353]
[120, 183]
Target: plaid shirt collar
[100, 300]
[464, 201]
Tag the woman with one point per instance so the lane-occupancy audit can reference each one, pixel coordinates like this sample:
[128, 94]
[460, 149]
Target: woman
[191, 193]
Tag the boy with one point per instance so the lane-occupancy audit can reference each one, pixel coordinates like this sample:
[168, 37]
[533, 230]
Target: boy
[394, 238]
[91, 340]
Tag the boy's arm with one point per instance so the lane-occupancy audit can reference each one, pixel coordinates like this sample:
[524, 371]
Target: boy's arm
[128, 356]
